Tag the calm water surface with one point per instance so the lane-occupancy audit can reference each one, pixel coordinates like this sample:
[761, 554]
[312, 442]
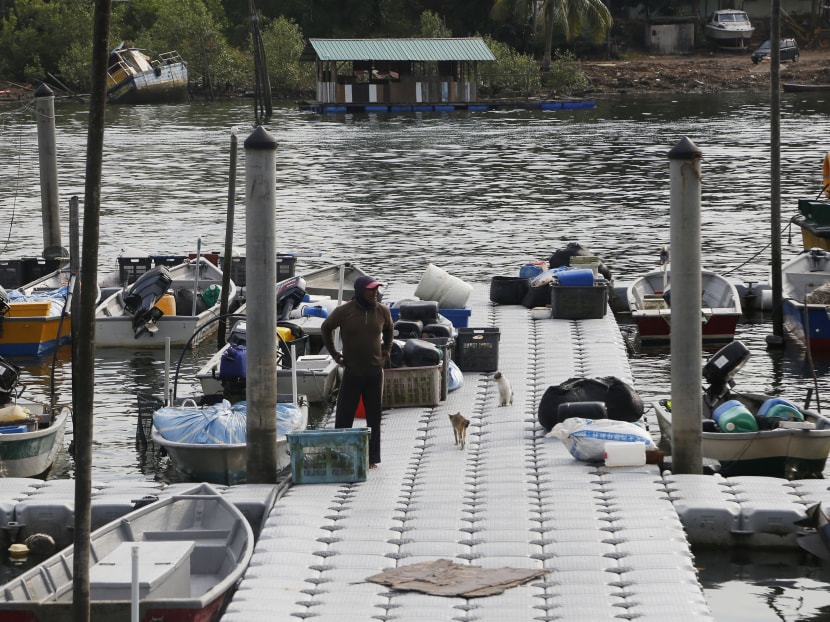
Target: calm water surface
[478, 194]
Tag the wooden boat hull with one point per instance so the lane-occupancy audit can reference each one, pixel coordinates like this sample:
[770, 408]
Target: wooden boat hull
[193, 548]
[785, 453]
[720, 307]
[169, 86]
[221, 464]
[31, 454]
[114, 327]
[33, 336]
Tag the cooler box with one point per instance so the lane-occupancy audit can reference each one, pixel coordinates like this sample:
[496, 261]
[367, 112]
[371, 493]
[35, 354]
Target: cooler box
[477, 349]
[578, 302]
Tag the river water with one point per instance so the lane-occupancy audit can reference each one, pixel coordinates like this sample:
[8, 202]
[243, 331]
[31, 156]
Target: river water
[478, 194]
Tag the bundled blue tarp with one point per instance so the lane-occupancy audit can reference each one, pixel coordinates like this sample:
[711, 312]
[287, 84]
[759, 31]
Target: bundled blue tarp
[219, 424]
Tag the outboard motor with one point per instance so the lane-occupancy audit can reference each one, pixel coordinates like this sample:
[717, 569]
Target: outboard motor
[9, 376]
[721, 368]
[290, 293]
[142, 297]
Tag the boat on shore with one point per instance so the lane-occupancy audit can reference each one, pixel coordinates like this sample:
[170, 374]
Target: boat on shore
[649, 301]
[133, 77]
[805, 288]
[188, 549]
[729, 28]
[771, 446]
[177, 302]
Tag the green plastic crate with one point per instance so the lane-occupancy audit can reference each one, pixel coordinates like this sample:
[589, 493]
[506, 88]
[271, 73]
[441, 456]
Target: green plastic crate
[329, 456]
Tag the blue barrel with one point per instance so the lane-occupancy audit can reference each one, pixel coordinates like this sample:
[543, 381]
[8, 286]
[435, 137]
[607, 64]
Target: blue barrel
[780, 409]
[570, 278]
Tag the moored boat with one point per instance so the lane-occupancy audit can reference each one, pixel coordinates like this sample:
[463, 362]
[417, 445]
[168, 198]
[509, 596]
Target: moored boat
[649, 301]
[189, 549]
[135, 78]
[31, 433]
[178, 303]
[794, 445]
[795, 87]
[209, 443]
[805, 289]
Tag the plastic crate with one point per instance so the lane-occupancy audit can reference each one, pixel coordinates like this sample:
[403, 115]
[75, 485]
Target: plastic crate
[817, 211]
[477, 349]
[329, 456]
[36, 267]
[11, 273]
[578, 302]
[130, 268]
[412, 386]
[285, 268]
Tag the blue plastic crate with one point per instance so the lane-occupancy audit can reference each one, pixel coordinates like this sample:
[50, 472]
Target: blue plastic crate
[329, 456]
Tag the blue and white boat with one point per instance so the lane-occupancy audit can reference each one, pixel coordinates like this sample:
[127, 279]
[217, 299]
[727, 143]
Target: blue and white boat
[805, 289]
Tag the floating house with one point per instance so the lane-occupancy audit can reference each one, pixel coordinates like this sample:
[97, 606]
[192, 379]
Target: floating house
[391, 75]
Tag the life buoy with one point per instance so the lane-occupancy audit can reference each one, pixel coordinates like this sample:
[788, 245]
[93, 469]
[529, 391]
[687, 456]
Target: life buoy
[825, 173]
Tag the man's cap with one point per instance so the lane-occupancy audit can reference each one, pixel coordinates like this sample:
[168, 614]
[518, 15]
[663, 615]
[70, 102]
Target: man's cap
[366, 282]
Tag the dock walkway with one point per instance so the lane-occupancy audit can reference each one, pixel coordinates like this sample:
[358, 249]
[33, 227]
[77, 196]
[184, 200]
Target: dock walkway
[611, 540]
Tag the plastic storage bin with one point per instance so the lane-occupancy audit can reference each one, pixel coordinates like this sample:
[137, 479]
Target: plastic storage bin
[329, 456]
[578, 303]
[412, 386]
[477, 349]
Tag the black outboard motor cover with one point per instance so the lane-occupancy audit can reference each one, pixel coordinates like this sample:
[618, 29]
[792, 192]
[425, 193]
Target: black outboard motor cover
[621, 401]
[9, 375]
[722, 366]
[146, 291]
[290, 293]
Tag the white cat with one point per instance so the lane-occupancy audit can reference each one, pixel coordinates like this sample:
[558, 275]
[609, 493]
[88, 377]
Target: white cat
[505, 391]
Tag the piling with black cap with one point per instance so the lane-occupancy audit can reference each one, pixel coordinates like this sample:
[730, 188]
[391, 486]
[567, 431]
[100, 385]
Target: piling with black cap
[686, 292]
[261, 279]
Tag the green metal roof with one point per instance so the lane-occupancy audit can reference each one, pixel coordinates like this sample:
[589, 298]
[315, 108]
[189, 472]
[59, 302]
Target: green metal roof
[468, 48]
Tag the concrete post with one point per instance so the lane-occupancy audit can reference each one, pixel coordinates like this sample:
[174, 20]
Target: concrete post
[47, 157]
[261, 280]
[686, 292]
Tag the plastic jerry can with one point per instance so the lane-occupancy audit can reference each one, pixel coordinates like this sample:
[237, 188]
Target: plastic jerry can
[732, 416]
[624, 453]
[167, 304]
[233, 363]
[780, 409]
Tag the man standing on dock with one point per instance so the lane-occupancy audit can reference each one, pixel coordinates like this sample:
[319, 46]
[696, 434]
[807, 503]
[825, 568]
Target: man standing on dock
[366, 333]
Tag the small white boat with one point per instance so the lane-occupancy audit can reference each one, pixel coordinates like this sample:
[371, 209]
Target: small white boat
[176, 302]
[209, 443]
[649, 301]
[729, 28]
[805, 289]
[791, 449]
[190, 550]
[31, 433]
[28, 448]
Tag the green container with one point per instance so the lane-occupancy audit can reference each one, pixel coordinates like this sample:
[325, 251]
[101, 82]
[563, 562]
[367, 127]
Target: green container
[329, 456]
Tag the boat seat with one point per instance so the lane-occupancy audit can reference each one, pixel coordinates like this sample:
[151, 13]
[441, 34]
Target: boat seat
[195, 534]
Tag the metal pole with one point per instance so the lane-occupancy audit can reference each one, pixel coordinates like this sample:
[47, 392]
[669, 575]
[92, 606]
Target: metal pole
[48, 158]
[227, 264]
[777, 337]
[261, 278]
[196, 265]
[686, 291]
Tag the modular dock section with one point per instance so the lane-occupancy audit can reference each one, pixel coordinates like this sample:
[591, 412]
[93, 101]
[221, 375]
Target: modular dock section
[611, 542]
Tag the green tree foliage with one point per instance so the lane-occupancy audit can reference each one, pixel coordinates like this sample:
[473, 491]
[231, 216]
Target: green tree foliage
[36, 34]
[283, 43]
[432, 26]
[565, 77]
[511, 73]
